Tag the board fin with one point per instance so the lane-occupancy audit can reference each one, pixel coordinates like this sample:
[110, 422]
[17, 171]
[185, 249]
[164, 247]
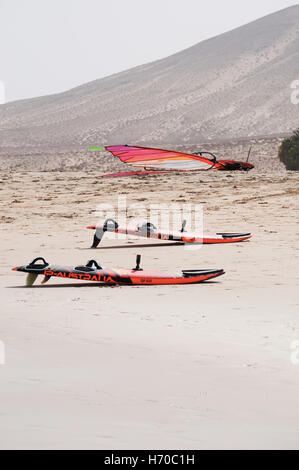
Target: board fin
[97, 237]
[30, 279]
[46, 279]
[110, 225]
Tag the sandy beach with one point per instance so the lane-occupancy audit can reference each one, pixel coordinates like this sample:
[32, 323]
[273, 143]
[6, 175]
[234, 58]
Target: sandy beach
[166, 367]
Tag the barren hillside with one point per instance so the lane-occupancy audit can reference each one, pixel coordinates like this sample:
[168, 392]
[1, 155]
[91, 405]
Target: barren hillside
[236, 85]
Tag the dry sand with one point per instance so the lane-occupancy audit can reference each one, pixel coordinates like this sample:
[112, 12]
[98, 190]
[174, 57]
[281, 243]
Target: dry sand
[190, 367]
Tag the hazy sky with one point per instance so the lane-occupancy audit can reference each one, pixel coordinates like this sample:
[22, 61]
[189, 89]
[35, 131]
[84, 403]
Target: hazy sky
[48, 46]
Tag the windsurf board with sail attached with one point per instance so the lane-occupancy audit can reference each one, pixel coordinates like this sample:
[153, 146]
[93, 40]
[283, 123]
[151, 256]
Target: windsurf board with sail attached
[154, 160]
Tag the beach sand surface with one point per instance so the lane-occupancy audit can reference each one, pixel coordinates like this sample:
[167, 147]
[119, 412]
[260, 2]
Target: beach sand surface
[205, 366]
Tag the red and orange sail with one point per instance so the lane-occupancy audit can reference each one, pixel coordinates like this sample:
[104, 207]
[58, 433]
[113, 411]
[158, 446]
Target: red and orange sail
[159, 159]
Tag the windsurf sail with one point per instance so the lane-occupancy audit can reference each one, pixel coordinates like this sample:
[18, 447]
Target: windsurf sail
[160, 159]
